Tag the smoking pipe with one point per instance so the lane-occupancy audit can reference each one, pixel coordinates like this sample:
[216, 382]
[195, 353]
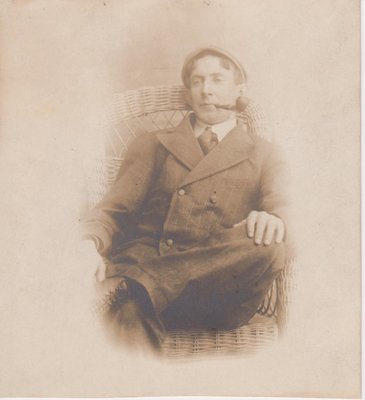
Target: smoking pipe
[240, 106]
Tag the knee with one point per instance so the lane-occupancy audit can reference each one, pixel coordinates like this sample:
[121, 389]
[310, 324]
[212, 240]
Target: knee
[274, 249]
[274, 253]
[237, 237]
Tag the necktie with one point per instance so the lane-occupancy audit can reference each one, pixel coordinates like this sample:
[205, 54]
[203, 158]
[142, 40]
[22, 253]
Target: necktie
[207, 140]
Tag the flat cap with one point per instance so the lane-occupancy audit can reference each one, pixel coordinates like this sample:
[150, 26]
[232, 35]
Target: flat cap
[214, 51]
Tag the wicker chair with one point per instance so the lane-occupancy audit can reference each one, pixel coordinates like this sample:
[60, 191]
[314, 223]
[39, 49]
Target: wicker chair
[151, 108]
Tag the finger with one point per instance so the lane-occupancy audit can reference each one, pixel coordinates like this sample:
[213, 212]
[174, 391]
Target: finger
[280, 232]
[260, 227]
[271, 227]
[251, 222]
[240, 223]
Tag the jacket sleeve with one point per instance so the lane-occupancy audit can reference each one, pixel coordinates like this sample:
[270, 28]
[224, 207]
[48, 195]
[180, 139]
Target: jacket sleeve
[274, 186]
[126, 196]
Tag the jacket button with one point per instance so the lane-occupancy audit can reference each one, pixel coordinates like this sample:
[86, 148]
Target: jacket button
[169, 242]
[181, 192]
[213, 198]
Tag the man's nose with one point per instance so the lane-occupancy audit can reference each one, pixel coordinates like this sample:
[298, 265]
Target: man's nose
[207, 88]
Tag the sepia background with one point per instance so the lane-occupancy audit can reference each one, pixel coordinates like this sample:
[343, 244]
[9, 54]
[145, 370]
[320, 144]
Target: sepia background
[60, 62]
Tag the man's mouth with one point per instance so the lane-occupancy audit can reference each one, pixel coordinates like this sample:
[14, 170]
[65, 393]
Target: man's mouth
[212, 107]
[220, 106]
[207, 105]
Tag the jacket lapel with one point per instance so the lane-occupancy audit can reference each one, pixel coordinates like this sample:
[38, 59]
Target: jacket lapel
[183, 144]
[235, 147]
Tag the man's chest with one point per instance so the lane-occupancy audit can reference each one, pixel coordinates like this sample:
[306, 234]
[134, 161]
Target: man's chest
[225, 196]
[236, 179]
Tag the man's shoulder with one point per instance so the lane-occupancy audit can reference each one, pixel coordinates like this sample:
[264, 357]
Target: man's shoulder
[147, 146]
[265, 148]
[260, 140]
[150, 139]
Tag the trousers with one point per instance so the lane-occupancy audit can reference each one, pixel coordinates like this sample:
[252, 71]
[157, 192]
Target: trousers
[210, 299]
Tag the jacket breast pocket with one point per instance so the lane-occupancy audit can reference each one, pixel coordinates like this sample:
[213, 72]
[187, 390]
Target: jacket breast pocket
[236, 183]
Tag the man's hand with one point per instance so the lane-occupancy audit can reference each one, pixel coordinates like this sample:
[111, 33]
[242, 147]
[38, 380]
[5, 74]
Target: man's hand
[264, 227]
[90, 256]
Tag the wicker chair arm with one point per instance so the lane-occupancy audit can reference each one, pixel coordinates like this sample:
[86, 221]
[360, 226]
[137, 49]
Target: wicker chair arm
[285, 285]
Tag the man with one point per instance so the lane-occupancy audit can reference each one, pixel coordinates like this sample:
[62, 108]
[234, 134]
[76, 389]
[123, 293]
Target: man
[195, 222]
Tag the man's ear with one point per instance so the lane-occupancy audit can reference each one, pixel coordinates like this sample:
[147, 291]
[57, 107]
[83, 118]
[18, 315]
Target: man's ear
[241, 101]
[241, 89]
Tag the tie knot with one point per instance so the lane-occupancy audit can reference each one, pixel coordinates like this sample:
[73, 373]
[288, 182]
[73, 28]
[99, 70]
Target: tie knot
[210, 135]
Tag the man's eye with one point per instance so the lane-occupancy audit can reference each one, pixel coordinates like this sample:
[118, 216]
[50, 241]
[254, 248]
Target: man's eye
[195, 82]
[218, 80]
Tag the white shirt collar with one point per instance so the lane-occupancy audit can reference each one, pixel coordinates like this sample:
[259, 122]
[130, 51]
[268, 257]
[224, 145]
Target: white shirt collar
[220, 129]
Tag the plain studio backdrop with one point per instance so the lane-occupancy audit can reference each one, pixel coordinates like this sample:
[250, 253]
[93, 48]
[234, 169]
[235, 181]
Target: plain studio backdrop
[60, 62]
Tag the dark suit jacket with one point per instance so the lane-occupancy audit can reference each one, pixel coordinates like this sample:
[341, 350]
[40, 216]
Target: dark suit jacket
[167, 222]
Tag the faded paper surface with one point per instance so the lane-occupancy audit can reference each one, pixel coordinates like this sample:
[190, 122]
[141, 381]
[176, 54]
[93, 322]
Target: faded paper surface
[60, 61]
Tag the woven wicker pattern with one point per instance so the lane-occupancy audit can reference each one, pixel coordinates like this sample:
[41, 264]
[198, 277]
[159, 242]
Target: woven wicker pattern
[246, 339]
[152, 108]
[286, 284]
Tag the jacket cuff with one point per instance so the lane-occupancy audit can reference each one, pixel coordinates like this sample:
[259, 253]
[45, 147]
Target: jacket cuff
[100, 238]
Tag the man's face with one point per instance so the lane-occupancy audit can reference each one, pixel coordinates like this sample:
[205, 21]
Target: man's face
[210, 84]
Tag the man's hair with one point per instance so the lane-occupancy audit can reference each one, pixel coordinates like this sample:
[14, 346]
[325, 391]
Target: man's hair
[224, 61]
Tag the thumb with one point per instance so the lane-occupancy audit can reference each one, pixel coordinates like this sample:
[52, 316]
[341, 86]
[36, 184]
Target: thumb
[240, 223]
